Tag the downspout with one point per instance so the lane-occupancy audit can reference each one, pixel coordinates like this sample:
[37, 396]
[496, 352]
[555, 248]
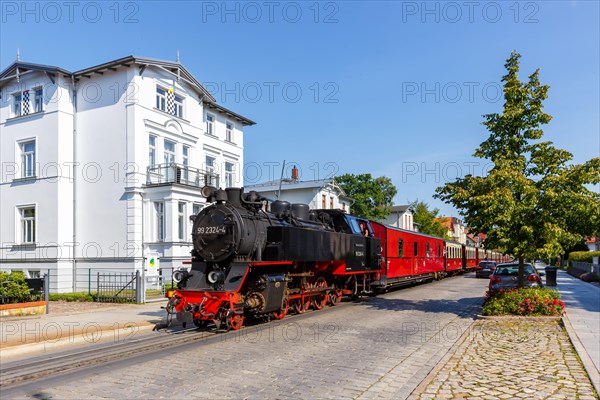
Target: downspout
[74, 100]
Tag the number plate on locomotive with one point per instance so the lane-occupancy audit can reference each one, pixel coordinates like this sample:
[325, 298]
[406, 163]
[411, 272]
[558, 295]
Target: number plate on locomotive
[210, 230]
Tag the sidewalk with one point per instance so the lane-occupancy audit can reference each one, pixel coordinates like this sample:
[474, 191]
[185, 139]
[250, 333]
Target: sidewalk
[519, 357]
[85, 323]
[582, 320]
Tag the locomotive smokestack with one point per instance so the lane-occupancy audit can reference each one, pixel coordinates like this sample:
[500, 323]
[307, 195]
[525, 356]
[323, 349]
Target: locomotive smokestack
[295, 173]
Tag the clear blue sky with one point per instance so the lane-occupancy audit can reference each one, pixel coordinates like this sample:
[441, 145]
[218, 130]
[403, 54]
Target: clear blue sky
[392, 88]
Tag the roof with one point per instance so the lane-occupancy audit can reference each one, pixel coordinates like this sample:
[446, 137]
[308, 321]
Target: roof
[19, 68]
[175, 68]
[291, 184]
[402, 208]
[230, 113]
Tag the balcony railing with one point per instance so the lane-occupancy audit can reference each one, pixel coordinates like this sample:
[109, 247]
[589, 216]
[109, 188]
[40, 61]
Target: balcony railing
[161, 174]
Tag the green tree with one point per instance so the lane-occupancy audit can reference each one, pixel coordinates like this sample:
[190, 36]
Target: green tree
[373, 196]
[426, 219]
[533, 200]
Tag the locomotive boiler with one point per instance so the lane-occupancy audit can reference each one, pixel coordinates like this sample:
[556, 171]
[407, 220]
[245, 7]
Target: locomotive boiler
[250, 262]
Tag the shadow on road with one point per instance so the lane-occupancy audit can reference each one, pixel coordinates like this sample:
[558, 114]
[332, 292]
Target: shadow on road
[461, 307]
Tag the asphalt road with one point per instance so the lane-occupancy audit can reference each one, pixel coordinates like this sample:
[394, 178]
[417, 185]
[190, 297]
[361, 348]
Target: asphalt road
[380, 347]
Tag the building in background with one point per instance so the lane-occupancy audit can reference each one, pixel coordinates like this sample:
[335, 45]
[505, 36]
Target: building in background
[318, 194]
[101, 168]
[401, 217]
[456, 228]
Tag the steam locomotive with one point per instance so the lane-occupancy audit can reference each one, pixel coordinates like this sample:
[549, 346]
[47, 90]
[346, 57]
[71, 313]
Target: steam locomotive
[249, 262]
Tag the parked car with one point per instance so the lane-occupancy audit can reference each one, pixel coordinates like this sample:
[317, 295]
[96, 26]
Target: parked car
[485, 269]
[506, 276]
[539, 265]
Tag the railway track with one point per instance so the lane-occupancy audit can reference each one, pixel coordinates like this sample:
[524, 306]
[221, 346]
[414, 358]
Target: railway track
[19, 372]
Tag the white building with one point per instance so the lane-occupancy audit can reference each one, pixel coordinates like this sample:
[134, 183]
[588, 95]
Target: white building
[101, 168]
[318, 194]
[401, 217]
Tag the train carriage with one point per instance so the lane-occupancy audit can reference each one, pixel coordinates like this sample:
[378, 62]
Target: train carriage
[407, 256]
[454, 258]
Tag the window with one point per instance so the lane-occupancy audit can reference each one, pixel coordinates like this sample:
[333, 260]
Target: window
[26, 224]
[38, 100]
[229, 131]
[400, 247]
[439, 253]
[196, 208]
[17, 100]
[186, 162]
[169, 152]
[27, 159]
[229, 174]
[152, 150]
[161, 98]
[323, 201]
[34, 274]
[331, 202]
[210, 124]
[178, 106]
[181, 220]
[210, 169]
[427, 250]
[416, 249]
[159, 210]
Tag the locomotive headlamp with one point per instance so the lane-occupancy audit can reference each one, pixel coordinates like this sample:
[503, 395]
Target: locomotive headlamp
[180, 275]
[215, 276]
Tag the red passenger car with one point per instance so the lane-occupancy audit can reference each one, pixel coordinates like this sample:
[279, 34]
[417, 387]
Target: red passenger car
[408, 256]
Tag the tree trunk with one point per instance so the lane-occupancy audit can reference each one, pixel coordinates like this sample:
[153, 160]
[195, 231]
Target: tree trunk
[521, 281]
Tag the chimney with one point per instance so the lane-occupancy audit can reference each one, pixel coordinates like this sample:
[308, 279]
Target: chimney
[295, 173]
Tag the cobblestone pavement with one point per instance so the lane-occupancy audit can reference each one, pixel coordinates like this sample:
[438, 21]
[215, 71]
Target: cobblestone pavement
[381, 347]
[511, 359]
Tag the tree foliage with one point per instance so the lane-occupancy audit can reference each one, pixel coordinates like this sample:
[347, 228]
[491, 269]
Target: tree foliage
[426, 219]
[533, 200]
[373, 196]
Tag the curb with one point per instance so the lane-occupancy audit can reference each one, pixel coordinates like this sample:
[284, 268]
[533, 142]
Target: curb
[585, 358]
[519, 318]
[80, 337]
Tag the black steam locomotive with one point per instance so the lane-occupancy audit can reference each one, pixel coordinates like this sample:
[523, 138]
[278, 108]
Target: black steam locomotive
[249, 261]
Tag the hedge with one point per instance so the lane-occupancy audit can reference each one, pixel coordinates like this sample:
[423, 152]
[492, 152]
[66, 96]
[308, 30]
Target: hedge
[583, 256]
[78, 296]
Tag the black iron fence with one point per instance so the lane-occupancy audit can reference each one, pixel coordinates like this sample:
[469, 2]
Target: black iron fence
[178, 173]
[119, 287]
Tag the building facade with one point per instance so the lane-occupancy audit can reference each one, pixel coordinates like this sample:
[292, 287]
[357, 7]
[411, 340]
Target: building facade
[456, 228]
[401, 217]
[101, 168]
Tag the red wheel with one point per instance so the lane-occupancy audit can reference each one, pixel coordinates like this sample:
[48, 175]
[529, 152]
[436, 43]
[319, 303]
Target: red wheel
[320, 300]
[235, 321]
[300, 307]
[335, 297]
[283, 311]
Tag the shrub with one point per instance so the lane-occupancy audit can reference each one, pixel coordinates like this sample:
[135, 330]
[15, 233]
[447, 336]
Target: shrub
[79, 296]
[13, 288]
[525, 301]
[583, 256]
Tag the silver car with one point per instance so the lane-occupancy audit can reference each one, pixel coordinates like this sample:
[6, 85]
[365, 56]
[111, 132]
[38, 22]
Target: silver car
[506, 276]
